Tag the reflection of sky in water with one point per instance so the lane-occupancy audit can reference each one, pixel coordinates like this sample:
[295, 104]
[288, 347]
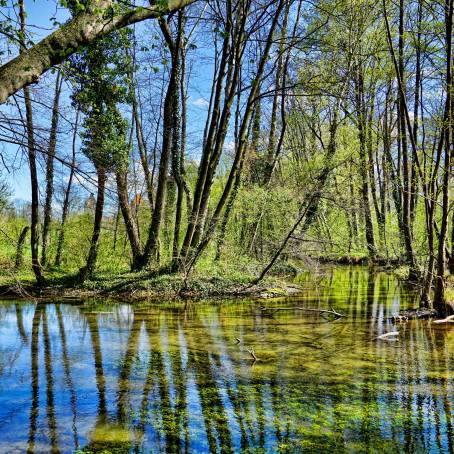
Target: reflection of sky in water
[167, 379]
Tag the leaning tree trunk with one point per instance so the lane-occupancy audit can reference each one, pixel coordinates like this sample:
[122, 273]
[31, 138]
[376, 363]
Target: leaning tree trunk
[215, 121]
[151, 247]
[241, 149]
[94, 21]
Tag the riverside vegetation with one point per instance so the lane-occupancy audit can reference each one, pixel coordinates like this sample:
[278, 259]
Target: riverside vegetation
[295, 155]
[177, 139]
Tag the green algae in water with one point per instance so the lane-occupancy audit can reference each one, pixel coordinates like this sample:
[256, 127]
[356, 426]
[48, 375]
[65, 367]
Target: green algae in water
[113, 378]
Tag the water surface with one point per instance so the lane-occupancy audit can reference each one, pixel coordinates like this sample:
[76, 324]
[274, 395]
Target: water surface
[180, 377]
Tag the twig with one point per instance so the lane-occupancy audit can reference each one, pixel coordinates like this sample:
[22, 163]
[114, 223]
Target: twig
[252, 353]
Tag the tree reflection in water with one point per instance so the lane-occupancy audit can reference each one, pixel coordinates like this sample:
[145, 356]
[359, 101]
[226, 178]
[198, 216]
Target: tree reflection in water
[172, 378]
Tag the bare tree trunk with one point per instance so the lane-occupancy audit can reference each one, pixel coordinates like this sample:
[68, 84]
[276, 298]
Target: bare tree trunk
[439, 296]
[87, 271]
[406, 164]
[280, 82]
[34, 235]
[130, 223]
[151, 247]
[20, 248]
[184, 96]
[66, 200]
[50, 170]
[417, 90]
[363, 169]
[371, 166]
[117, 223]
[142, 146]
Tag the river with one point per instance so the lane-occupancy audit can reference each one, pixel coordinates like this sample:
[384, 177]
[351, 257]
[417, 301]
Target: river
[180, 377]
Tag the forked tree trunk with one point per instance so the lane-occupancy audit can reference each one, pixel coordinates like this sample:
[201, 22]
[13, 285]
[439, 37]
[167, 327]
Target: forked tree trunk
[129, 221]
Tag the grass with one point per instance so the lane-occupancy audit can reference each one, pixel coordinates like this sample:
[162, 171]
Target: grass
[209, 279]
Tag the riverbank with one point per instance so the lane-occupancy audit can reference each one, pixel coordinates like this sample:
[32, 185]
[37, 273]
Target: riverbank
[146, 286]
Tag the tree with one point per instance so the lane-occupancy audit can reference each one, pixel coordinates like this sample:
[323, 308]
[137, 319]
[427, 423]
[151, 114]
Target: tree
[31, 149]
[101, 72]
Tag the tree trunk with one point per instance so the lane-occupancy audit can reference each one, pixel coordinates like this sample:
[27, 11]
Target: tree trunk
[177, 137]
[215, 122]
[87, 271]
[34, 235]
[440, 302]
[20, 248]
[130, 223]
[241, 150]
[363, 169]
[50, 170]
[406, 162]
[151, 247]
[66, 200]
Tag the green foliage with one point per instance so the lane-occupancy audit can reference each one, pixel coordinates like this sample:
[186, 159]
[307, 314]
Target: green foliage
[101, 76]
[104, 138]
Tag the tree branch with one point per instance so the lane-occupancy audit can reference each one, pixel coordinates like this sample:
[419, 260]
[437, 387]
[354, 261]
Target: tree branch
[84, 28]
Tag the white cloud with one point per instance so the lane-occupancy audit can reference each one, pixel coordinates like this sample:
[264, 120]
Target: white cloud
[229, 146]
[201, 102]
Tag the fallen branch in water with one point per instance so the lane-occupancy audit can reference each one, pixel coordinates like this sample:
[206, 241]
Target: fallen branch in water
[449, 319]
[389, 335]
[322, 312]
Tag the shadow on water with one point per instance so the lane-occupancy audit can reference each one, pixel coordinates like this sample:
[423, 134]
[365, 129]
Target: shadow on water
[173, 377]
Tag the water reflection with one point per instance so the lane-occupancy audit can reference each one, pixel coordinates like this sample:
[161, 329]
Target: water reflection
[172, 378]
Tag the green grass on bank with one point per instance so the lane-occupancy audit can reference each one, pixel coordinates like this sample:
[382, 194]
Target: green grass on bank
[208, 279]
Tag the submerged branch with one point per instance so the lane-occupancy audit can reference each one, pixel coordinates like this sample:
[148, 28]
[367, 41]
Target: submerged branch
[322, 312]
[449, 319]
